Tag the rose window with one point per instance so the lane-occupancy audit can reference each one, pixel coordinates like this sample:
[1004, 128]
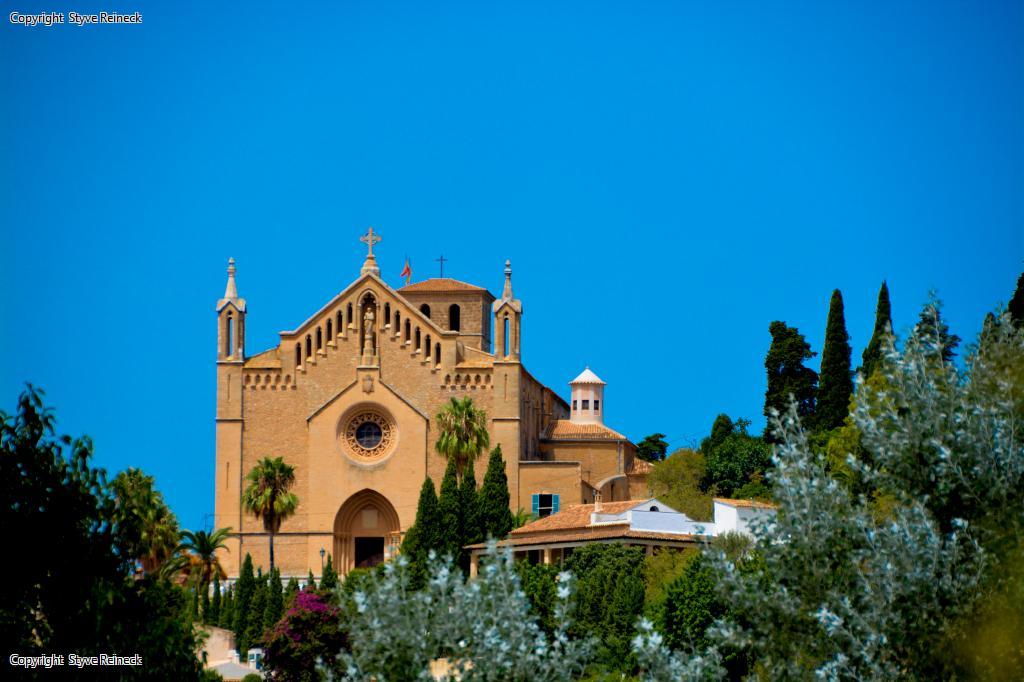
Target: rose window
[368, 435]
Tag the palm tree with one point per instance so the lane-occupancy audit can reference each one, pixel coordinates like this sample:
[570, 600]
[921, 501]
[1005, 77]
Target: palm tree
[462, 432]
[145, 523]
[267, 495]
[202, 552]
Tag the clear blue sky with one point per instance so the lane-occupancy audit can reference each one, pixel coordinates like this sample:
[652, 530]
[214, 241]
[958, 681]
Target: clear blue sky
[667, 179]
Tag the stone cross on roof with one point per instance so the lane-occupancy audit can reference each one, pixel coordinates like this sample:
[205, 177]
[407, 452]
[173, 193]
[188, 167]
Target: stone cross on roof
[370, 264]
[370, 239]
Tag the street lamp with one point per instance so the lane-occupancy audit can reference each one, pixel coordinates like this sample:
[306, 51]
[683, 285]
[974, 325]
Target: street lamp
[323, 552]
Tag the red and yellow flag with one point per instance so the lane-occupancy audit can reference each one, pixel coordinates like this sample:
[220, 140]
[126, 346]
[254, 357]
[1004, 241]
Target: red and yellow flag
[407, 271]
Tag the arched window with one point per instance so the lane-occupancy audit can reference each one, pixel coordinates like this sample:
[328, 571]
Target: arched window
[229, 336]
[417, 337]
[454, 317]
[408, 330]
[298, 354]
[387, 313]
[507, 327]
[426, 353]
[397, 328]
[425, 309]
[437, 354]
[309, 346]
[330, 330]
[348, 315]
[341, 323]
[319, 338]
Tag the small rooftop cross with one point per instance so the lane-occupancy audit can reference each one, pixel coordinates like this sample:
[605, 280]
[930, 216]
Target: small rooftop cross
[370, 239]
[441, 260]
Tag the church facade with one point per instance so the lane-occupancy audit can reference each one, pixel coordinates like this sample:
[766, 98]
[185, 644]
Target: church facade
[349, 398]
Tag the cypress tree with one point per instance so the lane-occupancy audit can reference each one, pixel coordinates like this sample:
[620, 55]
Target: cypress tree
[244, 589]
[423, 535]
[227, 610]
[329, 580]
[495, 515]
[721, 428]
[274, 608]
[254, 619]
[469, 517]
[290, 591]
[932, 329]
[787, 375]
[311, 581]
[449, 533]
[836, 384]
[1016, 306]
[215, 601]
[871, 359]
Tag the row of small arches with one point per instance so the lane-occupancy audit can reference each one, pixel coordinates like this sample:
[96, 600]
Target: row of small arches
[315, 341]
[467, 381]
[268, 380]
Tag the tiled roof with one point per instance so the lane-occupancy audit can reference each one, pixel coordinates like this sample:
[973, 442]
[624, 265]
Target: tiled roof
[605, 532]
[640, 466]
[587, 377]
[574, 516]
[438, 284]
[750, 504]
[268, 359]
[565, 429]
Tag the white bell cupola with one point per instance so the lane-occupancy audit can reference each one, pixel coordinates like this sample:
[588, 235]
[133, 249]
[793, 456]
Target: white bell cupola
[587, 399]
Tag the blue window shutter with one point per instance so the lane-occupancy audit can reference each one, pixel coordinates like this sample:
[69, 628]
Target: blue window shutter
[536, 505]
[554, 504]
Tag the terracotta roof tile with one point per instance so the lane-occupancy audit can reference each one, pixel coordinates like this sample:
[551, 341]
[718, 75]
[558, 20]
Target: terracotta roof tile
[640, 466]
[438, 284]
[564, 429]
[754, 504]
[607, 532]
[574, 516]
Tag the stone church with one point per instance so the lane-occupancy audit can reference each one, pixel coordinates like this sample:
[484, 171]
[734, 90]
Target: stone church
[349, 397]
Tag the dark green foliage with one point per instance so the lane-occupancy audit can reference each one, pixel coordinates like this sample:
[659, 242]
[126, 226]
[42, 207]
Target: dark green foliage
[311, 581]
[787, 377]
[227, 610]
[734, 462]
[449, 536]
[469, 517]
[215, 602]
[691, 606]
[329, 580]
[722, 427]
[495, 515]
[290, 591]
[1016, 306]
[539, 583]
[254, 619]
[931, 329]
[872, 356]
[836, 382]
[308, 632]
[72, 586]
[274, 608]
[610, 599]
[245, 588]
[424, 534]
[194, 611]
[652, 448]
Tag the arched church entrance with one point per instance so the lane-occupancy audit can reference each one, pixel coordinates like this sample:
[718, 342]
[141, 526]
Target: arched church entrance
[366, 531]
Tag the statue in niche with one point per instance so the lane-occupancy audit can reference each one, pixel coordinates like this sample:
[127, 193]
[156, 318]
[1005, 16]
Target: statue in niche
[368, 318]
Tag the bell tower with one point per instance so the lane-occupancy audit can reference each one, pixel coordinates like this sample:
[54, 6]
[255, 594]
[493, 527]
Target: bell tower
[230, 357]
[508, 314]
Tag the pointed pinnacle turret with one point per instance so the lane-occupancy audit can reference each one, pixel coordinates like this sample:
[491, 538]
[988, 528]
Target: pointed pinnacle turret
[370, 266]
[231, 290]
[506, 294]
